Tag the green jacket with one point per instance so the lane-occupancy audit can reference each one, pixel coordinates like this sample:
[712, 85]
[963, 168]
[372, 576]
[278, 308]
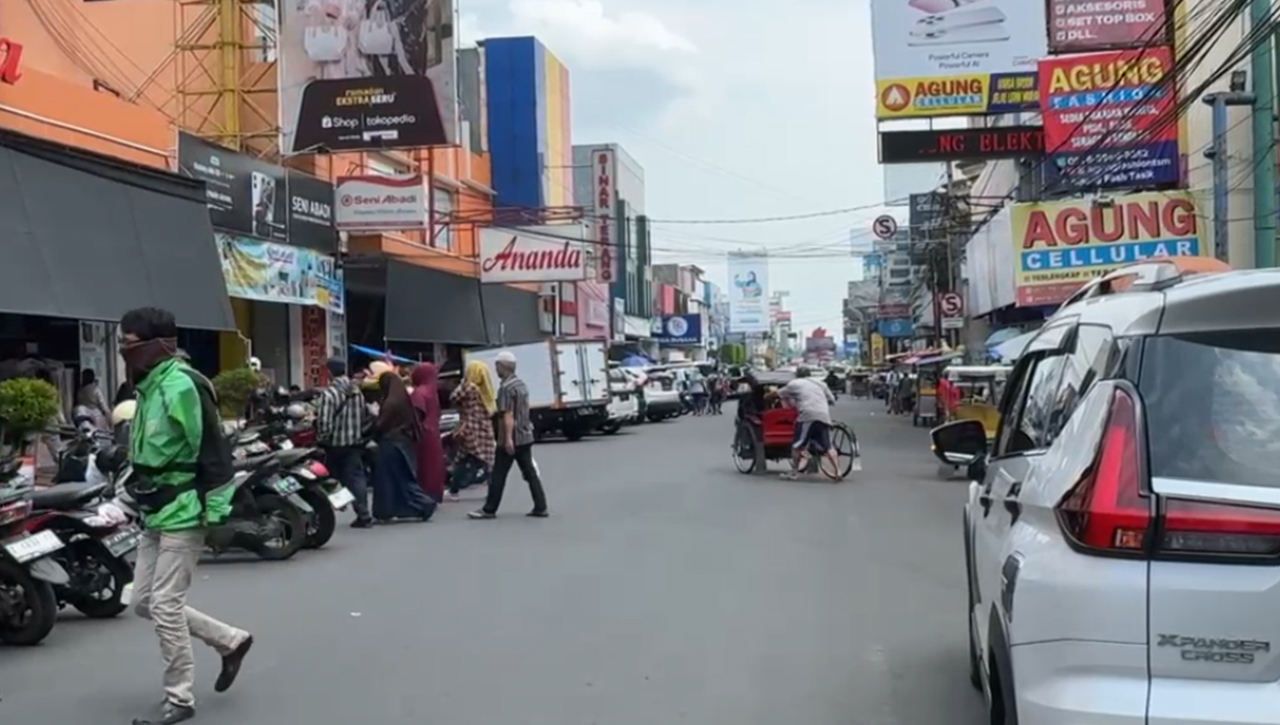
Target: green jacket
[167, 430]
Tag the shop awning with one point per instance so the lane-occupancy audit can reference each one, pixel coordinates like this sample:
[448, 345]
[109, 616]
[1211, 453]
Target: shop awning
[428, 305]
[510, 314]
[88, 237]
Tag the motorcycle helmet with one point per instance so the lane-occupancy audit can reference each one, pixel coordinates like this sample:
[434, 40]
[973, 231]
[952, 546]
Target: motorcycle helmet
[296, 411]
[124, 412]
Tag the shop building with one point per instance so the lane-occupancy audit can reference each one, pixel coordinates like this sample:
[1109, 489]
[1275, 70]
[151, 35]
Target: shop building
[95, 224]
[529, 134]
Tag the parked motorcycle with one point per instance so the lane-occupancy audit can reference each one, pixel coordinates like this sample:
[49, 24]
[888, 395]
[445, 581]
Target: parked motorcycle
[268, 517]
[28, 572]
[97, 550]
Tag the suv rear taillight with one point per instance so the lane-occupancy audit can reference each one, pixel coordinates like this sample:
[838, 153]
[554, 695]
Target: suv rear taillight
[1110, 510]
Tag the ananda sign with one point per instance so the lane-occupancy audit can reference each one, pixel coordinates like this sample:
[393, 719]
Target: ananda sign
[1058, 246]
[11, 64]
[532, 254]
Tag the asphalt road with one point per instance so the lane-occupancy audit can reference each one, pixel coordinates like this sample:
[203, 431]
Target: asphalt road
[666, 588]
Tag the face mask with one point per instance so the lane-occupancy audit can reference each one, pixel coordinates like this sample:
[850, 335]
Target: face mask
[142, 357]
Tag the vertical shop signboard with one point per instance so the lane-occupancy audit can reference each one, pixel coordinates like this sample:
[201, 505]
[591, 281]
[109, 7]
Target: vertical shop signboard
[1110, 120]
[337, 335]
[604, 175]
[315, 346]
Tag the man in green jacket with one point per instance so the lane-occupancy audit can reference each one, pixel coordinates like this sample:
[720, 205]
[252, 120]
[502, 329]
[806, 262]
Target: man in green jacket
[167, 440]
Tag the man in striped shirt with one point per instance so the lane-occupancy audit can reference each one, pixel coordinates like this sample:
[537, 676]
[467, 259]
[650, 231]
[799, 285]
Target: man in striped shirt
[515, 442]
[340, 417]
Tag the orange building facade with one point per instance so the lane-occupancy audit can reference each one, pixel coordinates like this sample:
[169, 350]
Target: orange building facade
[124, 78]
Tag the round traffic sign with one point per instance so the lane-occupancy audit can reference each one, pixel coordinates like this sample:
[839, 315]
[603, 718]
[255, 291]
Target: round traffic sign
[884, 227]
[952, 304]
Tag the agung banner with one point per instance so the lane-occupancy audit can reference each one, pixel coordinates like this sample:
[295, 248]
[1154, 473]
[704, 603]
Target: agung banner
[361, 74]
[956, 57]
[1061, 245]
[1110, 119]
[1077, 26]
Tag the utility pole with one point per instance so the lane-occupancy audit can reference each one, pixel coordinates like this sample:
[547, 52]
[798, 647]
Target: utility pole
[1217, 153]
[1261, 62]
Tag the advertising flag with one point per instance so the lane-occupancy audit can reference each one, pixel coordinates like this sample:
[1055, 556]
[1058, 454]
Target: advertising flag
[1110, 119]
[367, 74]
[1061, 245]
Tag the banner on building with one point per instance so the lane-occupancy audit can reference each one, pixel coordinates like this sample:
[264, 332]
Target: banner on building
[380, 203]
[1110, 119]
[877, 349]
[310, 214]
[245, 195]
[895, 327]
[949, 58]
[532, 254]
[1061, 245]
[749, 293]
[269, 272]
[604, 191]
[1079, 26]
[678, 329]
[357, 75]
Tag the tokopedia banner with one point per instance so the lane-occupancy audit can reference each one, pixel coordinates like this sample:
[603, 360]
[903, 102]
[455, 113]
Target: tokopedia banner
[748, 293]
[1061, 245]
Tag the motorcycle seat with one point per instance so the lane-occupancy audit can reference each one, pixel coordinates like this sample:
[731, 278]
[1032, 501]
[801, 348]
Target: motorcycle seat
[291, 457]
[66, 496]
[254, 462]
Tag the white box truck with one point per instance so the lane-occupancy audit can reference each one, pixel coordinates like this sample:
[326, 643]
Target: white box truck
[568, 383]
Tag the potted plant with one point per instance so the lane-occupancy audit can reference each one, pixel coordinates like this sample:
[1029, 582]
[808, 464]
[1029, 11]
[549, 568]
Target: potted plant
[28, 406]
[235, 388]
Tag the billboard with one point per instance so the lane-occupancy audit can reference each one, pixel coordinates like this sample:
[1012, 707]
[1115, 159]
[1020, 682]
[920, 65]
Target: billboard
[380, 203]
[532, 254]
[1110, 119]
[1079, 26]
[1061, 245]
[748, 293]
[527, 92]
[952, 58]
[366, 75]
[245, 195]
[678, 329]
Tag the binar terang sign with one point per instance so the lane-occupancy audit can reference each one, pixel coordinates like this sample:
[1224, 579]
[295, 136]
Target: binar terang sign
[604, 173]
[11, 64]
[533, 254]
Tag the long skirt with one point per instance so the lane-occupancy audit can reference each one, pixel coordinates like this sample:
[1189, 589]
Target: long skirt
[396, 493]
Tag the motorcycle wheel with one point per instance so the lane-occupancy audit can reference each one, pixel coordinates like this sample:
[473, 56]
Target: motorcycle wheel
[293, 522]
[321, 527]
[39, 605]
[107, 603]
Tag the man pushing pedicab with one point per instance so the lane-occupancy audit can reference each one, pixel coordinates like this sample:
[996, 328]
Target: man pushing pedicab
[812, 401]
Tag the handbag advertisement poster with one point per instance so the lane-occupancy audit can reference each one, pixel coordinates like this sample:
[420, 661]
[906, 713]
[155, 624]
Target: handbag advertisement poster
[367, 74]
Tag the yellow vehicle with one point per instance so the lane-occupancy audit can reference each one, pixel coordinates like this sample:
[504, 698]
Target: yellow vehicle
[978, 393]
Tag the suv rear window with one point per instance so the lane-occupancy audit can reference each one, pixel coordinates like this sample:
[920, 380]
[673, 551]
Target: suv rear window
[1213, 406]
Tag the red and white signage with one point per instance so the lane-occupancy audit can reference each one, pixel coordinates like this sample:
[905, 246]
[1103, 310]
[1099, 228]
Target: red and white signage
[379, 203]
[604, 167]
[532, 254]
[951, 305]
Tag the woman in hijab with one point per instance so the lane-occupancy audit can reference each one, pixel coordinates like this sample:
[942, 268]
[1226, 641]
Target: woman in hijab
[476, 404]
[430, 450]
[396, 493]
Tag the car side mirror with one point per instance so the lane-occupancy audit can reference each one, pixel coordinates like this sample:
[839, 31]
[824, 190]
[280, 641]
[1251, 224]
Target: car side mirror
[960, 443]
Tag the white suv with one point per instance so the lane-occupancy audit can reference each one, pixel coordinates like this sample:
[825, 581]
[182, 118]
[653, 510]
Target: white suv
[1122, 534]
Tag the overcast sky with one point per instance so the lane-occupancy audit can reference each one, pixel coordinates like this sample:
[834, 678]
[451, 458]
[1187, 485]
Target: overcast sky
[736, 110]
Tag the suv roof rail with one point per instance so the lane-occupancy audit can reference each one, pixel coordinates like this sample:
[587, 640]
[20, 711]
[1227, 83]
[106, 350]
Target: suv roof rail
[1148, 276]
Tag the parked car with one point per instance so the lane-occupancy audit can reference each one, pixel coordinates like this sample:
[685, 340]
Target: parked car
[661, 395]
[1122, 533]
[624, 402]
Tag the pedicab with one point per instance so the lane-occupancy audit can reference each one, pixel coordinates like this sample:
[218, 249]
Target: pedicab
[978, 390]
[860, 383]
[764, 431]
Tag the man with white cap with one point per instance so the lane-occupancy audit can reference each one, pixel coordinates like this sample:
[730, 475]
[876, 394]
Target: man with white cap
[515, 442]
